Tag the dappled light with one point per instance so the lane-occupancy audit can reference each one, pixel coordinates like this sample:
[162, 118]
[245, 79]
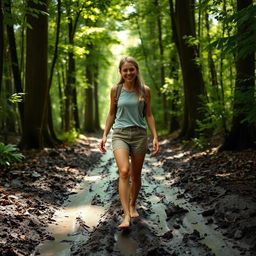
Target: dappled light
[127, 128]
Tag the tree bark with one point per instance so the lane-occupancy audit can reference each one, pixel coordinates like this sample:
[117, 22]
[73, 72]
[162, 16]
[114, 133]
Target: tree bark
[174, 123]
[166, 116]
[70, 91]
[14, 59]
[242, 134]
[191, 71]
[96, 99]
[89, 124]
[1, 44]
[50, 136]
[75, 108]
[60, 93]
[36, 77]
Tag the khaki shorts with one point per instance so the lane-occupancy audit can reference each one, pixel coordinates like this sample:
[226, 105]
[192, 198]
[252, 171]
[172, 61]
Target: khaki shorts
[134, 139]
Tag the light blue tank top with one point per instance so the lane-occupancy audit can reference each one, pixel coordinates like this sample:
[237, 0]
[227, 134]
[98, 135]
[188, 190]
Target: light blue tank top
[129, 111]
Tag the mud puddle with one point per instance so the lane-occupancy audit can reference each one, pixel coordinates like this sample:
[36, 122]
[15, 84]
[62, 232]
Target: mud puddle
[168, 223]
[173, 212]
[81, 212]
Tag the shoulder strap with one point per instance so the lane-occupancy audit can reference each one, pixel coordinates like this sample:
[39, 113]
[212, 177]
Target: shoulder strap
[145, 97]
[118, 92]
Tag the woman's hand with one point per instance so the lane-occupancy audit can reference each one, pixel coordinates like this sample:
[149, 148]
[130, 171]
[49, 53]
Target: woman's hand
[155, 146]
[102, 144]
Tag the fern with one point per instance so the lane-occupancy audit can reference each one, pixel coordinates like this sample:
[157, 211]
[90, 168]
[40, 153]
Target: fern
[8, 154]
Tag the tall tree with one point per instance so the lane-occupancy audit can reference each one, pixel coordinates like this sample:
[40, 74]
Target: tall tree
[36, 74]
[1, 43]
[74, 11]
[162, 60]
[242, 134]
[183, 25]
[14, 57]
[96, 96]
[89, 98]
[48, 122]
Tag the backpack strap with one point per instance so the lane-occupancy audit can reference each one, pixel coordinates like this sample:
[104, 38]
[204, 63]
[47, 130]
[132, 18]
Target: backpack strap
[118, 92]
[145, 104]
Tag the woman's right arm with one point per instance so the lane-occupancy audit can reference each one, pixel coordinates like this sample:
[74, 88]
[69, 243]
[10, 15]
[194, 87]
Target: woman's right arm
[110, 118]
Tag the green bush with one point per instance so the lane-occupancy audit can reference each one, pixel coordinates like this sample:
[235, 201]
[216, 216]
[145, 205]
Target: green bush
[8, 154]
[70, 137]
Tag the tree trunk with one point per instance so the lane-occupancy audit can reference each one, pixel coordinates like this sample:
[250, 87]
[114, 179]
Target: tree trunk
[70, 91]
[211, 65]
[75, 108]
[36, 77]
[242, 134]
[174, 123]
[166, 116]
[89, 124]
[191, 71]
[50, 136]
[68, 86]
[14, 59]
[1, 44]
[96, 99]
[60, 93]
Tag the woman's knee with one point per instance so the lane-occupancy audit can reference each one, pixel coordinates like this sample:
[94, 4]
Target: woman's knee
[124, 173]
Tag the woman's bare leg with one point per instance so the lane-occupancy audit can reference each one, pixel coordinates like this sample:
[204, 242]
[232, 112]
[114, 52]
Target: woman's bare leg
[136, 167]
[122, 161]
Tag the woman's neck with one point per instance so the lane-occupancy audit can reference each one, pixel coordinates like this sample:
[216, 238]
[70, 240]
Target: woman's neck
[128, 86]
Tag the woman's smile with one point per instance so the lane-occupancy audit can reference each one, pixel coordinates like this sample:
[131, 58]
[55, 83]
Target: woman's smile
[128, 72]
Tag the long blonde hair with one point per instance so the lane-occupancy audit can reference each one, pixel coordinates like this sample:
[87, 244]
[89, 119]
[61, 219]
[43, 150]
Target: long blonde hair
[138, 84]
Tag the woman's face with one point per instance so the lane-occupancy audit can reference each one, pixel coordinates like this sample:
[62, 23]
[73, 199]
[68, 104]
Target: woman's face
[128, 72]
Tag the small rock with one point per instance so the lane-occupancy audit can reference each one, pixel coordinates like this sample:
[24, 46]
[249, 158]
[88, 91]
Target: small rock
[238, 234]
[35, 174]
[168, 235]
[176, 226]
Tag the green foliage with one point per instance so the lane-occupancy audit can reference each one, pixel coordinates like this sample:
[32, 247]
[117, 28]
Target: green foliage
[246, 40]
[16, 97]
[70, 137]
[217, 117]
[8, 154]
[247, 106]
[251, 115]
[200, 143]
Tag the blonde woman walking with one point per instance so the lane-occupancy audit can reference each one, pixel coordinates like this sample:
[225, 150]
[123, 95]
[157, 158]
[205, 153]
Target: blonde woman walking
[130, 106]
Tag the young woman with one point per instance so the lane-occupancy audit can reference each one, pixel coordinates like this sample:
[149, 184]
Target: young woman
[129, 139]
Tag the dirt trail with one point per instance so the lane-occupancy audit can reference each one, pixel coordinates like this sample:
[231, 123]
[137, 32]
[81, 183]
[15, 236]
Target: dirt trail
[169, 223]
[191, 203]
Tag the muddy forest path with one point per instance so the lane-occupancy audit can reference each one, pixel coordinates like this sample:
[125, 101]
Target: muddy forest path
[169, 224]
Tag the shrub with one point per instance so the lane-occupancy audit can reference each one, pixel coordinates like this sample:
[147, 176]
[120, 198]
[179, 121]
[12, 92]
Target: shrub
[8, 154]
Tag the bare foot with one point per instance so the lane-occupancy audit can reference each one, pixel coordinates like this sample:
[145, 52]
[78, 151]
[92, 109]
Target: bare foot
[133, 212]
[125, 223]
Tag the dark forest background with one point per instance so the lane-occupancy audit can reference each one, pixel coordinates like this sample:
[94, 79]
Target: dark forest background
[59, 58]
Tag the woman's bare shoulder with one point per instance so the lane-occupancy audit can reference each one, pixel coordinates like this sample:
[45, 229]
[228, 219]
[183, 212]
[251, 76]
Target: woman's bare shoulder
[113, 88]
[147, 89]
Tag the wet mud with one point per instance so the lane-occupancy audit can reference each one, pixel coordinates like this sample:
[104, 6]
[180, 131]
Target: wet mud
[32, 191]
[191, 203]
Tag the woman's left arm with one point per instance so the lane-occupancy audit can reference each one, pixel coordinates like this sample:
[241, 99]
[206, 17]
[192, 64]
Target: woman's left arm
[151, 121]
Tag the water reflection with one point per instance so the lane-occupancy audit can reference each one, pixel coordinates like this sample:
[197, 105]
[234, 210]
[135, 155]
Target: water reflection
[67, 228]
[125, 244]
